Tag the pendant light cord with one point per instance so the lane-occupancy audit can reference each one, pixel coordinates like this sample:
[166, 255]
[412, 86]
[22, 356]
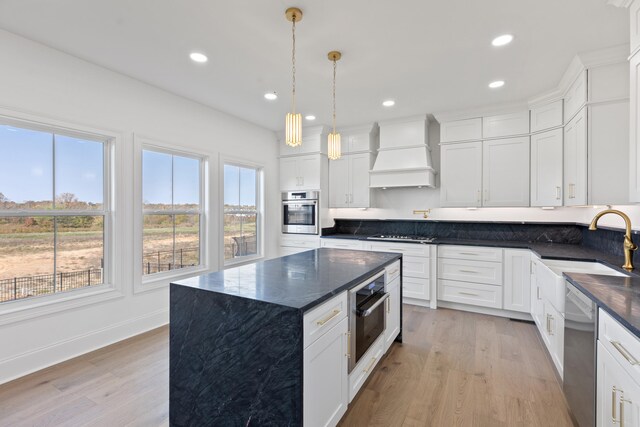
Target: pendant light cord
[334, 95]
[293, 63]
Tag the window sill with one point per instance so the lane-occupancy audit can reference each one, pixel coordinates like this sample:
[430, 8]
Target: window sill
[162, 280]
[237, 262]
[29, 308]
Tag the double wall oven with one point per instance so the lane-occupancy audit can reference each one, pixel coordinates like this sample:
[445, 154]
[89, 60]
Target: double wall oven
[367, 315]
[300, 212]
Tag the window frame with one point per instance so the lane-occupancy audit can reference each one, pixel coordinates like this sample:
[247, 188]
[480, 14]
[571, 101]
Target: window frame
[28, 308]
[146, 282]
[259, 168]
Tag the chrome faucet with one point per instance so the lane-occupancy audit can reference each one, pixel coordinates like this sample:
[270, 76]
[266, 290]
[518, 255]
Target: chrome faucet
[628, 245]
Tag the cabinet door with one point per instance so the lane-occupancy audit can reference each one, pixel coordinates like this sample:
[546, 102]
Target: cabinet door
[575, 160]
[506, 125]
[461, 130]
[505, 172]
[461, 170]
[517, 280]
[554, 339]
[359, 165]
[576, 96]
[359, 142]
[325, 385]
[537, 303]
[617, 395]
[546, 116]
[393, 313]
[309, 170]
[339, 183]
[546, 168]
[289, 178]
[634, 125]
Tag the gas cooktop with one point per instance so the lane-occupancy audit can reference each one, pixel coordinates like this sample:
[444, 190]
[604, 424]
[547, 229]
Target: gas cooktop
[401, 238]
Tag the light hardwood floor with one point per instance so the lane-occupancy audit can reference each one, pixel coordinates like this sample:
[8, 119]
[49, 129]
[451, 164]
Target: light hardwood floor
[454, 368]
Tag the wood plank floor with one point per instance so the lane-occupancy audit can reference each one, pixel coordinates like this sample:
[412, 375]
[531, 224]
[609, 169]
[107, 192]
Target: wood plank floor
[453, 369]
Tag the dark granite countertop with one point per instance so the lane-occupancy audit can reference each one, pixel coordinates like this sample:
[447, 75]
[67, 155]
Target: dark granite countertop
[618, 296]
[300, 281]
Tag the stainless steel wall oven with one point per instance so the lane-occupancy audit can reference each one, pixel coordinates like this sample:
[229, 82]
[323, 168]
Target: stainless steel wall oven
[300, 212]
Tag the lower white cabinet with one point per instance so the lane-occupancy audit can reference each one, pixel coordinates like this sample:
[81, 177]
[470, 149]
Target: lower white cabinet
[617, 394]
[537, 302]
[517, 280]
[365, 365]
[553, 335]
[393, 313]
[294, 243]
[325, 385]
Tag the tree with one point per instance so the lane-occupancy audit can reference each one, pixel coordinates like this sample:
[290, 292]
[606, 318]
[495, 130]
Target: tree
[3, 198]
[66, 199]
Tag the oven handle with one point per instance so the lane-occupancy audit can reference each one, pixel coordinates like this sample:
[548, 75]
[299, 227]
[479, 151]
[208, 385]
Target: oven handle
[301, 203]
[369, 310]
[367, 282]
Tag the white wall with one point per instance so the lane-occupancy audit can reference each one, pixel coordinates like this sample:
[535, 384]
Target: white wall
[399, 203]
[47, 83]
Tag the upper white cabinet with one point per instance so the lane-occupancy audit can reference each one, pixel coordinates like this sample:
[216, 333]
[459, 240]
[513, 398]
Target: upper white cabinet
[505, 172]
[349, 181]
[505, 125]
[461, 174]
[301, 172]
[575, 160]
[576, 96]
[314, 140]
[461, 130]
[546, 116]
[546, 168]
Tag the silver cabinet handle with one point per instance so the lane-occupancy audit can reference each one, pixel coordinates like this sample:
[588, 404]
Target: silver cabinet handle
[373, 361]
[614, 401]
[622, 401]
[551, 324]
[623, 351]
[388, 303]
[333, 314]
[469, 271]
[348, 345]
[468, 293]
[558, 193]
[469, 253]
[538, 293]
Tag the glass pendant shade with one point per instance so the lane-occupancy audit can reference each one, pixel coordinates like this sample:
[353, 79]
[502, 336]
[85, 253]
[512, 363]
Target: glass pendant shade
[293, 129]
[335, 151]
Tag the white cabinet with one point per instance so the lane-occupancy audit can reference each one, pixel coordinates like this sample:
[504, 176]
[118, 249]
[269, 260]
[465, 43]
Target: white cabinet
[342, 244]
[517, 280]
[301, 172]
[617, 394]
[546, 168]
[461, 174]
[294, 243]
[634, 14]
[634, 125]
[511, 124]
[461, 130]
[505, 172]
[537, 303]
[576, 96]
[325, 384]
[393, 313]
[546, 116]
[575, 160]
[349, 181]
[553, 335]
[365, 365]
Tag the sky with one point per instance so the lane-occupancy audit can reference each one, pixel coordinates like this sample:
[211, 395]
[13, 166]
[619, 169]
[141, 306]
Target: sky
[239, 186]
[26, 166]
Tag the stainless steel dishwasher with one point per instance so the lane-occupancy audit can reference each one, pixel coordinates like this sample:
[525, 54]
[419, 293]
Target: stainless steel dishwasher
[580, 335]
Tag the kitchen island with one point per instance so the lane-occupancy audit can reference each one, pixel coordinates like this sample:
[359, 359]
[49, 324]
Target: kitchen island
[240, 338]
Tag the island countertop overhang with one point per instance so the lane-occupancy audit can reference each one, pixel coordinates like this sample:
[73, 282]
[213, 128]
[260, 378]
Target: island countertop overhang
[299, 281]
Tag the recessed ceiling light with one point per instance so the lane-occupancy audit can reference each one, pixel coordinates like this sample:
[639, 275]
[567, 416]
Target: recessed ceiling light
[198, 57]
[496, 84]
[271, 96]
[389, 103]
[310, 117]
[502, 40]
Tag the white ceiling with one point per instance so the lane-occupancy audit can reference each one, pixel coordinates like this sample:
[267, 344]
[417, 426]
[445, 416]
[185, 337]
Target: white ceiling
[430, 56]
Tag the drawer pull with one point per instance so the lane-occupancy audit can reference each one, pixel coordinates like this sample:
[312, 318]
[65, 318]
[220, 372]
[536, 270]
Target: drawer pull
[614, 400]
[348, 345]
[469, 293]
[373, 361]
[469, 253]
[391, 273]
[623, 351]
[397, 250]
[469, 271]
[333, 314]
[622, 401]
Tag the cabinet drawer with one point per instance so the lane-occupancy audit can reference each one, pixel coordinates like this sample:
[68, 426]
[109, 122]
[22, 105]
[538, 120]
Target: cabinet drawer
[413, 266]
[321, 319]
[299, 241]
[470, 293]
[621, 343]
[392, 271]
[417, 288]
[477, 253]
[489, 273]
[341, 244]
[363, 369]
[412, 249]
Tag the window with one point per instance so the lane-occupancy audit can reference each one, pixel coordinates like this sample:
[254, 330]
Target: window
[241, 212]
[53, 211]
[172, 211]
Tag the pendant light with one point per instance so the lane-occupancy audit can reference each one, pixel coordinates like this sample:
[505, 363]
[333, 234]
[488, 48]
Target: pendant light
[335, 151]
[293, 123]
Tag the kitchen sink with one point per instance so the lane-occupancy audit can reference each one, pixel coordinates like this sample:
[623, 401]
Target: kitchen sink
[559, 267]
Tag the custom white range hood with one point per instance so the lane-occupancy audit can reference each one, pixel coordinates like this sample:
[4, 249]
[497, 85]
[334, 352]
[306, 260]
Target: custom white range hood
[404, 156]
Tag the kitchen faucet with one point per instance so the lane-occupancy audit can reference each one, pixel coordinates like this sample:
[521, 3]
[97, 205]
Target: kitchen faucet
[628, 245]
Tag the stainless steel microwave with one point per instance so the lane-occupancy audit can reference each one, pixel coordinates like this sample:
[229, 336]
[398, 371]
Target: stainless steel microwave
[300, 212]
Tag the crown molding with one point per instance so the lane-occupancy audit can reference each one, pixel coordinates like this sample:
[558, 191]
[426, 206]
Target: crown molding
[419, 118]
[450, 116]
[619, 3]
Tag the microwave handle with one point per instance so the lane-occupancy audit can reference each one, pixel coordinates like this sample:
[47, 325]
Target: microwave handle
[300, 202]
[369, 310]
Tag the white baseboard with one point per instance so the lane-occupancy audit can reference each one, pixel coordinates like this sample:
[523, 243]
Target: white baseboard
[486, 310]
[34, 360]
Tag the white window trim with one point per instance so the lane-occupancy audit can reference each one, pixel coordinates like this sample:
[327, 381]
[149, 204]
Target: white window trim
[145, 283]
[29, 308]
[236, 161]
